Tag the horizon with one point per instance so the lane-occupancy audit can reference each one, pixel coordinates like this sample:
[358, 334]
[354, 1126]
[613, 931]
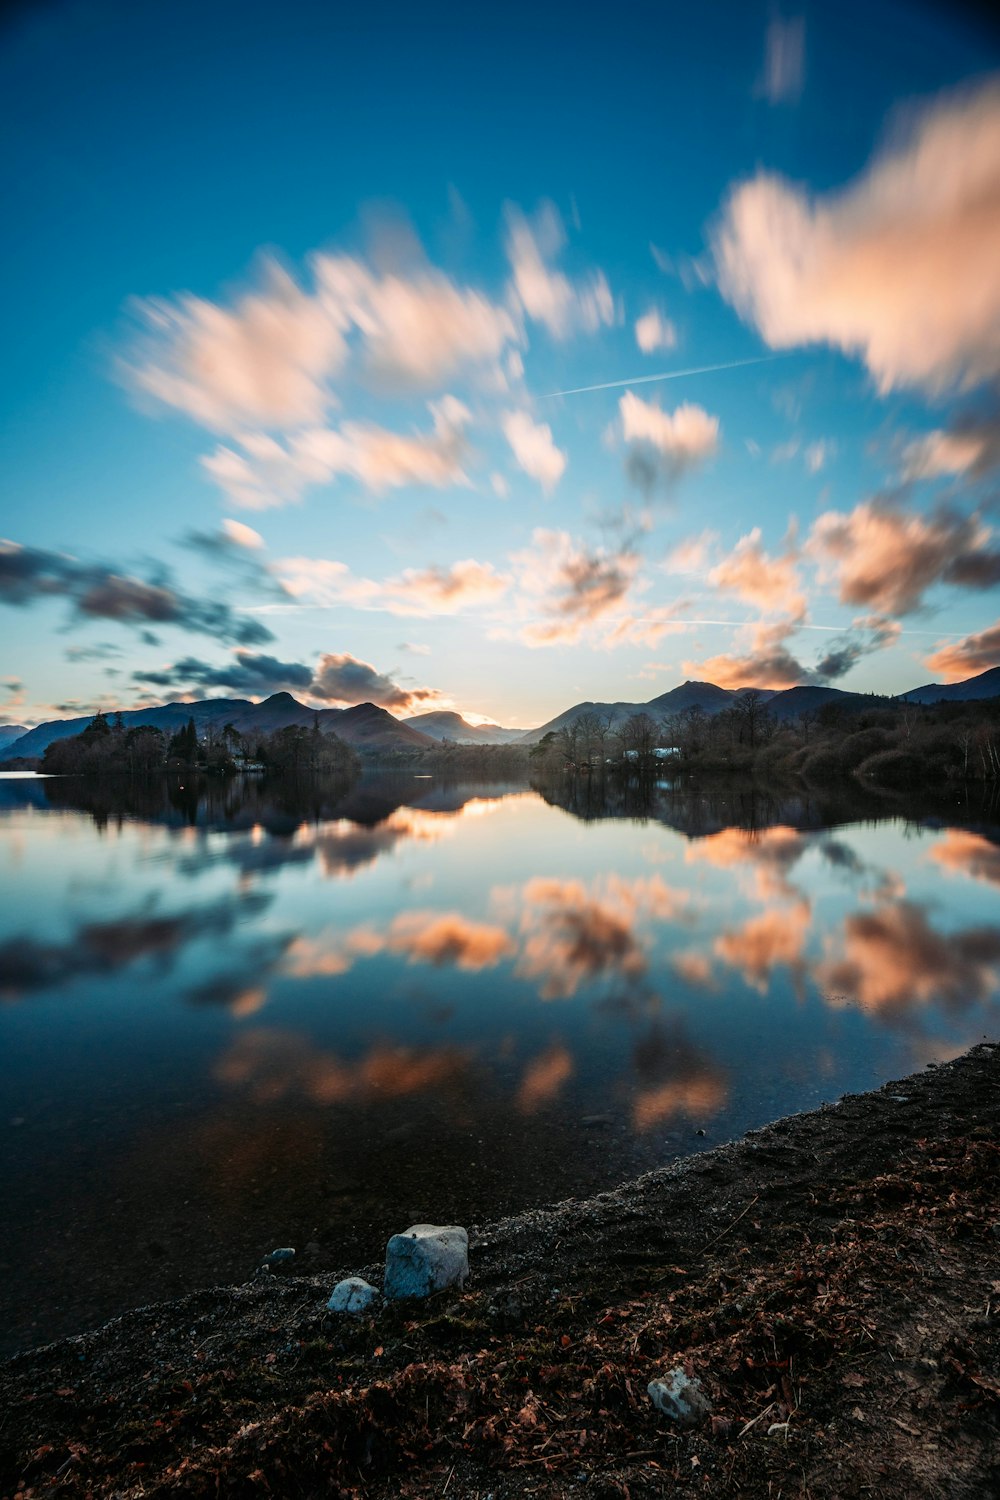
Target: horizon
[474, 721]
[392, 369]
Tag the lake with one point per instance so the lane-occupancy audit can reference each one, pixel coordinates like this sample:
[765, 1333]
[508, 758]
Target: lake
[243, 1015]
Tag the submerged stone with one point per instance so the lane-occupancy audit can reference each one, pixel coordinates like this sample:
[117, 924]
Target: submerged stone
[426, 1258]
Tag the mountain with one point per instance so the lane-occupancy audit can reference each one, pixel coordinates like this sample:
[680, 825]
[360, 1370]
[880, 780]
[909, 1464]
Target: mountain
[806, 700]
[365, 726]
[704, 695]
[615, 711]
[445, 725]
[11, 732]
[986, 685]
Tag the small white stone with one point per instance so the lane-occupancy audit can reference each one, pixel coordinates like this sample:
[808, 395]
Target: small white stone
[426, 1258]
[680, 1398]
[353, 1295]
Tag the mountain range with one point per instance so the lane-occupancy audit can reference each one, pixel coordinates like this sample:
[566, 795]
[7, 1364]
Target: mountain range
[368, 727]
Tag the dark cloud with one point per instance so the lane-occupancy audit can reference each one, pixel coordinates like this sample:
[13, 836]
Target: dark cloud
[248, 672]
[345, 679]
[97, 591]
[100, 651]
[28, 966]
[845, 651]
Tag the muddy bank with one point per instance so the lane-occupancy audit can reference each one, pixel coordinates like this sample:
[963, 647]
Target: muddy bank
[833, 1279]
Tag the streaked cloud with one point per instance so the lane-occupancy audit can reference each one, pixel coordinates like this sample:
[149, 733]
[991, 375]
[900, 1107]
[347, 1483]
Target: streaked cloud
[770, 583]
[784, 68]
[98, 591]
[899, 268]
[547, 295]
[954, 660]
[653, 331]
[532, 445]
[662, 445]
[886, 558]
[268, 472]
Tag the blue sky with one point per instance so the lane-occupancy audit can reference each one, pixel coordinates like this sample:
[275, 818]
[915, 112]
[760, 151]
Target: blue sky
[289, 289]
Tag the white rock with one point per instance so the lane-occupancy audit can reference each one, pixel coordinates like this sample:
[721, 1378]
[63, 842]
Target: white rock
[680, 1398]
[354, 1295]
[426, 1258]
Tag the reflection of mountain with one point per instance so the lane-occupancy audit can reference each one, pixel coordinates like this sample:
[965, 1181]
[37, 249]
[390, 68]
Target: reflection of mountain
[280, 806]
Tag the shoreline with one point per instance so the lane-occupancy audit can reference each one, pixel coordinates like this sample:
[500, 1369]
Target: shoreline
[575, 1307]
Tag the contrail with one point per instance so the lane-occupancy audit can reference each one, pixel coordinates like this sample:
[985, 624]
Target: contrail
[610, 385]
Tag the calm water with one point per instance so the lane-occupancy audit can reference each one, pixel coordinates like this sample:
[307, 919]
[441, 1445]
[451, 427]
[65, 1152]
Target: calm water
[255, 1016]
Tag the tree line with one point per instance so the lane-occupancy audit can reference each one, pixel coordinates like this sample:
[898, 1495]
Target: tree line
[108, 747]
[889, 742]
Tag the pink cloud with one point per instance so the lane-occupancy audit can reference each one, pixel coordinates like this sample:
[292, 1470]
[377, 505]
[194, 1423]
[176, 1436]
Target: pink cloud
[901, 267]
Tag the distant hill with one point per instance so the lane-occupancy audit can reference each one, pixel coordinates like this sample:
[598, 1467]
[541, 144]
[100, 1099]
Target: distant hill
[366, 726]
[448, 725]
[986, 685]
[704, 695]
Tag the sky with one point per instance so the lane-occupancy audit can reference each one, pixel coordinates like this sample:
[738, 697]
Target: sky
[495, 360]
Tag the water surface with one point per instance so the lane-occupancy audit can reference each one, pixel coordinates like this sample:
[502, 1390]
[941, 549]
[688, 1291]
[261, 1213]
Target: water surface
[249, 1015]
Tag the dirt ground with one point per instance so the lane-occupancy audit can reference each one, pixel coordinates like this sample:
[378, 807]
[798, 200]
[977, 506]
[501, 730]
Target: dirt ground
[833, 1280]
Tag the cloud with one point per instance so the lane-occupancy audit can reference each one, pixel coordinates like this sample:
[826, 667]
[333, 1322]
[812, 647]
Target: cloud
[770, 583]
[866, 635]
[574, 938]
[816, 454]
[268, 473]
[532, 446]
[268, 360]
[417, 592]
[886, 559]
[970, 448]
[766, 663]
[901, 267]
[545, 295]
[248, 672]
[653, 331]
[784, 61]
[664, 445]
[543, 1078]
[345, 679]
[442, 938]
[692, 554]
[576, 586]
[892, 960]
[969, 854]
[955, 660]
[96, 591]
[417, 331]
[444, 590]
[774, 939]
[263, 362]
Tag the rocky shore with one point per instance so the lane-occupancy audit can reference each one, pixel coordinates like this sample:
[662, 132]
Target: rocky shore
[831, 1281]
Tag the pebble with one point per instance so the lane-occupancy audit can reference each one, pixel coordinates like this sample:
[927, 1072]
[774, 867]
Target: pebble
[680, 1397]
[280, 1257]
[425, 1259]
[353, 1295]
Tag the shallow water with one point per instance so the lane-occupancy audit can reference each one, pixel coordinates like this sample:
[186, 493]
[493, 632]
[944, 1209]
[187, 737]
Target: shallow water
[251, 1015]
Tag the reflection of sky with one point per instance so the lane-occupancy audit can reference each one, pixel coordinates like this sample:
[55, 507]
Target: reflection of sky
[226, 1009]
[533, 944]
